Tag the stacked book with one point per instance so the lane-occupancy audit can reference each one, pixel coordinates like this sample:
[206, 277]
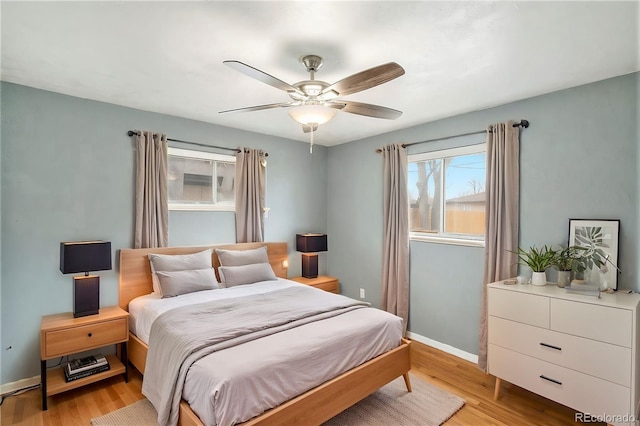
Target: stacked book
[83, 367]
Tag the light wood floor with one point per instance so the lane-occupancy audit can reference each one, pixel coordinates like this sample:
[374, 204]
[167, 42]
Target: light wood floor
[515, 406]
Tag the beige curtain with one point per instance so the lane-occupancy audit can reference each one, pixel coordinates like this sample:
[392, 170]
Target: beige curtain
[152, 210]
[502, 215]
[395, 257]
[250, 187]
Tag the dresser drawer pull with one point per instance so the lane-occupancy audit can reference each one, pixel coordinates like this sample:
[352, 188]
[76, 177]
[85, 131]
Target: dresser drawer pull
[90, 334]
[557, 382]
[550, 346]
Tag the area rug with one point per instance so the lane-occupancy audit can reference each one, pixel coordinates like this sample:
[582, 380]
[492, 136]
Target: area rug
[427, 405]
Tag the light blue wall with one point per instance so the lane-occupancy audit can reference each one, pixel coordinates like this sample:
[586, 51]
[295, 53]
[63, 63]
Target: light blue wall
[579, 159]
[68, 174]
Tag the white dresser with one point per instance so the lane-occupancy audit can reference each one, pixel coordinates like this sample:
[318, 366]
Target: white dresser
[575, 349]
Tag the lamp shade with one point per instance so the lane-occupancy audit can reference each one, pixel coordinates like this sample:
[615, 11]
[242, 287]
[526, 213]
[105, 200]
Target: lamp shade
[311, 243]
[85, 256]
[312, 114]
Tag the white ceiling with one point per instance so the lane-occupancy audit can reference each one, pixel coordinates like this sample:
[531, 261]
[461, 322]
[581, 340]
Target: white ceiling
[166, 57]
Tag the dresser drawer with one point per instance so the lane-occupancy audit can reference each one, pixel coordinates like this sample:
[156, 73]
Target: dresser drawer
[579, 391]
[85, 337]
[517, 306]
[587, 356]
[603, 323]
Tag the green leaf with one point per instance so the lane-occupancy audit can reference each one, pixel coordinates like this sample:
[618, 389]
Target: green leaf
[583, 239]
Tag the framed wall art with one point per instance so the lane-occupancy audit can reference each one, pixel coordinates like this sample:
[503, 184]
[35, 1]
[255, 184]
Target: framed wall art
[599, 265]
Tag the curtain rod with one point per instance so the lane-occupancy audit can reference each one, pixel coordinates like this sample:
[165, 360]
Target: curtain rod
[523, 123]
[137, 132]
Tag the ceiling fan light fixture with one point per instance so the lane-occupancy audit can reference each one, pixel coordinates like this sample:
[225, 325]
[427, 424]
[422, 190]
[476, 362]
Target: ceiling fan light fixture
[328, 95]
[308, 114]
[312, 89]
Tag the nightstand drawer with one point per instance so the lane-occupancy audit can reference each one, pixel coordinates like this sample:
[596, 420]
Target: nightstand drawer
[82, 338]
[322, 282]
[331, 286]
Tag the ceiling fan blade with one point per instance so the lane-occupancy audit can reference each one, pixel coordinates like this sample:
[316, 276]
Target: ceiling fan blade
[366, 79]
[369, 110]
[261, 76]
[259, 107]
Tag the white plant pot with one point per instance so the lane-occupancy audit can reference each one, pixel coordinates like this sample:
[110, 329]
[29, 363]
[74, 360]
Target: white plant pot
[539, 278]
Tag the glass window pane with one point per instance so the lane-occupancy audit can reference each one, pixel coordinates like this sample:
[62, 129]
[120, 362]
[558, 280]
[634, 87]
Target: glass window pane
[465, 194]
[175, 177]
[424, 196]
[225, 176]
[190, 180]
[199, 180]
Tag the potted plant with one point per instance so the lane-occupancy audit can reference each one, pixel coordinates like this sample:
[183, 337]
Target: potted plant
[538, 260]
[567, 260]
[578, 270]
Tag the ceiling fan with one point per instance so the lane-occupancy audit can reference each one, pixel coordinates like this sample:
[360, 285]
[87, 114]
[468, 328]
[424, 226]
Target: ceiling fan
[314, 102]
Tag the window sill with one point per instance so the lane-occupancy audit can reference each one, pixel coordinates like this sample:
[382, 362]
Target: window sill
[201, 208]
[447, 240]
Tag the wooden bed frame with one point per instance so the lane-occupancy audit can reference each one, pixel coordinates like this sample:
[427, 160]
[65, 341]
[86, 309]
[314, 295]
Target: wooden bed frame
[312, 407]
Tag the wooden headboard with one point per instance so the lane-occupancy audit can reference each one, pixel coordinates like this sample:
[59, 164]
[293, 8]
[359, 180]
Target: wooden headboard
[135, 269]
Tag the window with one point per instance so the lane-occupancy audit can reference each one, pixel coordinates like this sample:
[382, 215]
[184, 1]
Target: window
[447, 195]
[200, 180]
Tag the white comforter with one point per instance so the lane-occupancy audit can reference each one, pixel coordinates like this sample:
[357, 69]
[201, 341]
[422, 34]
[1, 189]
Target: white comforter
[145, 309]
[260, 374]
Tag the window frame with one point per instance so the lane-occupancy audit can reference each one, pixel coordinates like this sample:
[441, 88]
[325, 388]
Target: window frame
[442, 237]
[201, 155]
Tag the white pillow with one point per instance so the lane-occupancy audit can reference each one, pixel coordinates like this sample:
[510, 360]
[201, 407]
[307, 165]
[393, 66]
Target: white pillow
[177, 262]
[242, 257]
[246, 274]
[221, 275]
[175, 283]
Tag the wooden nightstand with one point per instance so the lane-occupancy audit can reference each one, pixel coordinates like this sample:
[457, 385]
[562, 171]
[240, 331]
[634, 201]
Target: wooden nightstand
[62, 334]
[322, 282]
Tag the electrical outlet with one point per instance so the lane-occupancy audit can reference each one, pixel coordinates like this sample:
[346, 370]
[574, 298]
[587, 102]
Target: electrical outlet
[362, 293]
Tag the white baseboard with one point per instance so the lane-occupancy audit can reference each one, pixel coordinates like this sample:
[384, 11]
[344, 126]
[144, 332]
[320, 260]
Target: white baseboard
[20, 384]
[443, 347]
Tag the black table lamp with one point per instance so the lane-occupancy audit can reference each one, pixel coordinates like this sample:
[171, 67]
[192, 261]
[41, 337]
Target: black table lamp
[310, 245]
[85, 256]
